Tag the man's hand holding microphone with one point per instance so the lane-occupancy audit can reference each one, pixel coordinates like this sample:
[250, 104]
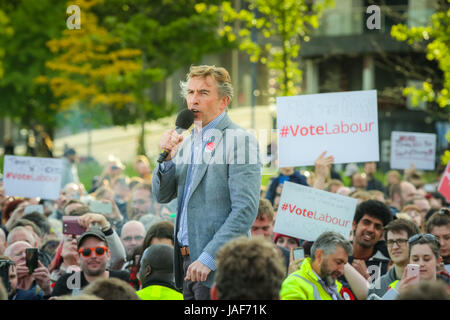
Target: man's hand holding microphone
[170, 142]
[172, 139]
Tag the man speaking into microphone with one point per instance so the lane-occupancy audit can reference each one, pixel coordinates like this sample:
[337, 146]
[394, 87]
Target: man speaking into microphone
[215, 173]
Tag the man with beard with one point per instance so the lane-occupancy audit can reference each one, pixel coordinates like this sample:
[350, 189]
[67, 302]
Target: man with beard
[94, 256]
[370, 254]
[439, 226]
[317, 277]
[141, 202]
[132, 237]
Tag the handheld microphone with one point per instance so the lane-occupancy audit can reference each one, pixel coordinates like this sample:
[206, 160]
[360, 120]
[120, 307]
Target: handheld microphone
[184, 120]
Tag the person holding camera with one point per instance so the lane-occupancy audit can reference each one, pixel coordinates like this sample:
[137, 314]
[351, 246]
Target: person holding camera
[33, 281]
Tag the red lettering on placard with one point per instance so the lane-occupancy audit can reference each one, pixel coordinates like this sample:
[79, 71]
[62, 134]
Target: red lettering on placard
[29, 177]
[296, 129]
[340, 128]
[313, 215]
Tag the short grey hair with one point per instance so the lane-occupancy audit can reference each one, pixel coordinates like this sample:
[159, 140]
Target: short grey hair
[328, 241]
[17, 229]
[221, 75]
[9, 250]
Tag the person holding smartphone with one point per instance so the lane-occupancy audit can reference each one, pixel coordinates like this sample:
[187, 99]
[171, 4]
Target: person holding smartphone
[33, 282]
[94, 254]
[423, 252]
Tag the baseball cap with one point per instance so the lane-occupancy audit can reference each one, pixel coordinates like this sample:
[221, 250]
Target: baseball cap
[92, 232]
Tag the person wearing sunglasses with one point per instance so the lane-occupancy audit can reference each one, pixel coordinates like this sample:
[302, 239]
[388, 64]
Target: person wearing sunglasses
[94, 256]
[424, 250]
[439, 225]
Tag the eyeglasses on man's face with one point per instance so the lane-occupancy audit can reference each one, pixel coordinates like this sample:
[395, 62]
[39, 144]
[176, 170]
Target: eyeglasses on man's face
[398, 242]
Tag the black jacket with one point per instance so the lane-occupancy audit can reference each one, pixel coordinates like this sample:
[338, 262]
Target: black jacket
[296, 177]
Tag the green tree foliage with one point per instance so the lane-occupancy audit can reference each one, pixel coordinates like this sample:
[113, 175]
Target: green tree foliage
[437, 36]
[5, 33]
[34, 23]
[49, 73]
[92, 68]
[170, 35]
[281, 26]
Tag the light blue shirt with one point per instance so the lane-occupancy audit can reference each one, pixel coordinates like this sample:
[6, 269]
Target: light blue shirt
[331, 290]
[199, 142]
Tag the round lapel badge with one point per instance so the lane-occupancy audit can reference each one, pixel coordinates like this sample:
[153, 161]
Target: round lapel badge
[210, 146]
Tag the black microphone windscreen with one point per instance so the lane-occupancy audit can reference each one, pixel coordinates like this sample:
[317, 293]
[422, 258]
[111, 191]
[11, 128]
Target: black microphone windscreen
[185, 119]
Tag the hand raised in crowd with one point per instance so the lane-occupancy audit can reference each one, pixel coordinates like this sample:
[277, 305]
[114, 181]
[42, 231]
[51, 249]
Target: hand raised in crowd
[88, 219]
[115, 214]
[406, 281]
[197, 271]
[409, 171]
[294, 265]
[322, 167]
[42, 277]
[108, 168]
[16, 215]
[170, 142]
[360, 266]
[22, 270]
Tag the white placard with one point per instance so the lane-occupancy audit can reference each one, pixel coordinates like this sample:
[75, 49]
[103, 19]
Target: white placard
[413, 147]
[306, 213]
[344, 123]
[31, 177]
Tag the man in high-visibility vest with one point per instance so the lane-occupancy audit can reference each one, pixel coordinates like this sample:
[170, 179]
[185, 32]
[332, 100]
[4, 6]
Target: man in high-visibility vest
[317, 277]
[156, 274]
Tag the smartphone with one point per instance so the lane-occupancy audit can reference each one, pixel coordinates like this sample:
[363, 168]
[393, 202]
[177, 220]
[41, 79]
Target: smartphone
[100, 207]
[299, 253]
[413, 270]
[71, 226]
[4, 273]
[34, 208]
[31, 258]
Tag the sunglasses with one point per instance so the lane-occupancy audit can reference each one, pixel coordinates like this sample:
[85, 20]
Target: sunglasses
[426, 236]
[444, 211]
[99, 251]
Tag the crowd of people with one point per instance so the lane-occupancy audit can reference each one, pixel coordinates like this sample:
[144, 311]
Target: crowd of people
[186, 231]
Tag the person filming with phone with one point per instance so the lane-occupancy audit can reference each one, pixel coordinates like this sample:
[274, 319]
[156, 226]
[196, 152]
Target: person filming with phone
[94, 255]
[33, 278]
[424, 261]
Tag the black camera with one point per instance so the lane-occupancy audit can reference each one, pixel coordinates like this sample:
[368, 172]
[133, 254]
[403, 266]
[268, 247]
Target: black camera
[4, 273]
